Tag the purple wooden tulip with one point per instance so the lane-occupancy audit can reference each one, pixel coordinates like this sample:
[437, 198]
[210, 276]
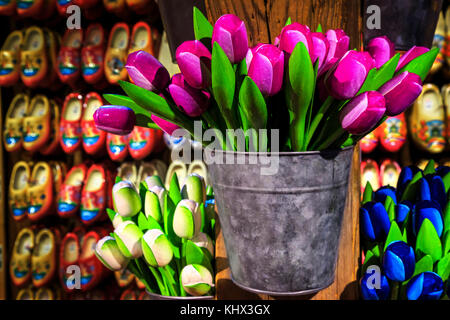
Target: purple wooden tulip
[266, 69]
[400, 92]
[115, 119]
[409, 55]
[346, 77]
[381, 49]
[191, 101]
[230, 33]
[320, 48]
[363, 112]
[165, 125]
[146, 71]
[339, 42]
[250, 53]
[293, 34]
[194, 60]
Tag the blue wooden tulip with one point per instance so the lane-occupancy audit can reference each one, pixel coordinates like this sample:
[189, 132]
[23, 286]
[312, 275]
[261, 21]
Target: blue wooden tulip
[424, 190]
[375, 222]
[383, 192]
[399, 261]
[425, 286]
[402, 210]
[370, 292]
[428, 209]
[442, 171]
[437, 190]
[405, 177]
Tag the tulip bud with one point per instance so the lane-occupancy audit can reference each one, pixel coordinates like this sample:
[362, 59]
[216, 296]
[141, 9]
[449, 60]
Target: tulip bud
[196, 279]
[437, 190]
[165, 125]
[156, 248]
[118, 219]
[194, 188]
[267, 69]
[191, 101]
[320, 48]
[194, 60]
[250, 53]
[399, 261]
[126, 199]
[375, 223]
[431, 210]
[400, 92]
[363, 112]
[152, 181]
[107, 251]
[202, 240]
[402, 210]
[115, 119]
[154, 202]
[384, 192]
[381, 49]
[405, 177]
[410, 55]
[146, 71]
[347, 76]
[339, 43]
[294, 33]
[129, 239]
[425, 286]
[230, 33]
[187, 220]
[370, 292]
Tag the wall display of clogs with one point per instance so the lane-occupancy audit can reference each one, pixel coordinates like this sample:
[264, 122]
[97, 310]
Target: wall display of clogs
[419, 134]
[59, 168]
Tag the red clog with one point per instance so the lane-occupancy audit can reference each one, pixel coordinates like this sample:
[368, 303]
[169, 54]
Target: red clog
[142, 141]
[70, 126]
[69, 60]
[69, 198]
[389, 173]
[369, 142]
[93, 138]
[68, 260]
[85, 3]
[370, 172]
[392, 133]
[94, 195]
[62, 5]
[117, 146]
[92, 54]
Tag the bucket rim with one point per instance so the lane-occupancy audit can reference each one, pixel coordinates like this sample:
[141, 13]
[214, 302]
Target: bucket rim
[159, 296]
[280, 153]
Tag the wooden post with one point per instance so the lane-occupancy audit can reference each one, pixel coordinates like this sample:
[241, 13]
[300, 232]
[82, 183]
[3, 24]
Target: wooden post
[264, 20]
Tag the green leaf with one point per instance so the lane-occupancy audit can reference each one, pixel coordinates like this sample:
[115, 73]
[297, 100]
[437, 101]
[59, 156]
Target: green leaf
[368, 193]
[376, 78]
[223, 83]
[446, 180]
[412, 187]
[443, 267]
[195, 255]
[142, 222]
[429, 169]
[142, 115]
[174, 190]
[423, 265]
[422, 64]
[288, 21]
[155, 104]
[446, 242]
[428, 241]
[447, 217]
[111, 214]
[153, 224]
[202, 28]
[394, 235]
[169, 211]
[319, 28]
[118, 179]
[389, 205]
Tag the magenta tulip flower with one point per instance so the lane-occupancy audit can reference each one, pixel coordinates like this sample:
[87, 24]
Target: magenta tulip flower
[320, 48]
[339, 42]
[293, 34]
[146, 71]
[115, 119]
[250, 53]
[381, 49]
[363, 112]
[410, 55]
[400, 92]
[191, 101]
[266, 69]
[346, 77]
[165, 125]
[230, 33]
[194, 60]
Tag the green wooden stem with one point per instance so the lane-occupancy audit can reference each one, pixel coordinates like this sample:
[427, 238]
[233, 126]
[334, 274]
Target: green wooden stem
[331, 139]
[159, 281]
[319, 116]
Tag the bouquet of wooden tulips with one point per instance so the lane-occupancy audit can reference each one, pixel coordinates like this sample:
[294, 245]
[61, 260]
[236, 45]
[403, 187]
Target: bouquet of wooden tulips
[406, 233]
[164, 237]
[308, 85]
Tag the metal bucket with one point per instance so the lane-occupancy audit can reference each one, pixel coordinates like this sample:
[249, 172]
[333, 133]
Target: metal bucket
[282, 231]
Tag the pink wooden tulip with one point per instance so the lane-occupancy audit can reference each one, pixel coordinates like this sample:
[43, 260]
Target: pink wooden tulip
[363, 112]
[320, 48]
[191, 101]
[230, 33]
[410, 55]
[146, 71]
[381, 49]
[400, 92]
[165, 125]
[346, 77]
[194, 60]
[266, 69]
[115, 119]
[339, 42]
[293, 34]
